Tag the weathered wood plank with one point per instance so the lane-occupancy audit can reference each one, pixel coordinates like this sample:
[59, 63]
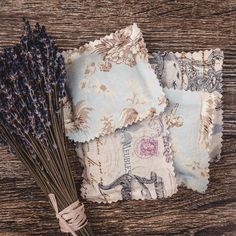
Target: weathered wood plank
[167, 25]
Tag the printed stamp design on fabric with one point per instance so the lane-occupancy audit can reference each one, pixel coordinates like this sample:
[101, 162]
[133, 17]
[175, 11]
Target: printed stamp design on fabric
[136, 163]
[146, 147]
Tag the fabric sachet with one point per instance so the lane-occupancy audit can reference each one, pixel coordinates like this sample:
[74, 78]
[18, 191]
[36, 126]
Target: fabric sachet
[189, 117]
[112, 85]
[198, 71]
[132, 163]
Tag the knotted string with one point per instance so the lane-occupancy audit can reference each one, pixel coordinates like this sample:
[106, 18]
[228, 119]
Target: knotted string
[72, 218]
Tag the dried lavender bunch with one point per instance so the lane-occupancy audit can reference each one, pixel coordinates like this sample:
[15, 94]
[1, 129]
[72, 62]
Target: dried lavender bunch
[32, 87]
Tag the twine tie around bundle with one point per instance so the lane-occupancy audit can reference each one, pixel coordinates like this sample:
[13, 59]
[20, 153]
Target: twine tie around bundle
[72, 218]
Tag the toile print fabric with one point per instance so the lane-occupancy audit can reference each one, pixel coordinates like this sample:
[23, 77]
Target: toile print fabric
[198, 71]
[132, 163]
[189, 116]
[112, 85]
[120, 125]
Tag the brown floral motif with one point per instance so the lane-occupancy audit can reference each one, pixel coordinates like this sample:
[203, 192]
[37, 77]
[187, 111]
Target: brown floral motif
[68, 117]
[206, 122]
[172, 120]
[120, 47]
[162, 100]
[107, 125]
[105, 66]
[78, 119]
[152, 112]
[89, 70]
[206, 118]
[129, 115]
[103, 87]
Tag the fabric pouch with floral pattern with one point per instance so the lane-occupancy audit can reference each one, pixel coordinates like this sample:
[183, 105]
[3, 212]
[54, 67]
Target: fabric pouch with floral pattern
[132, 163]
[112, 85]
[197, 71]
[189, 115]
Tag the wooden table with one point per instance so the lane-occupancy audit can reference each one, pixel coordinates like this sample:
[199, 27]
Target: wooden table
[166, 25]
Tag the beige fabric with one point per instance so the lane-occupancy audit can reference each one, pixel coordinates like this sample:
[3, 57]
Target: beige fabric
[132, 163]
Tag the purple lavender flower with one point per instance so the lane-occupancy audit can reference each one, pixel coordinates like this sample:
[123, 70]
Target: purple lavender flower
[32, 78]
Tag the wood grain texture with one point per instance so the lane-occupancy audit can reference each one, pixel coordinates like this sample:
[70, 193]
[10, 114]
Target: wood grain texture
[167, 25]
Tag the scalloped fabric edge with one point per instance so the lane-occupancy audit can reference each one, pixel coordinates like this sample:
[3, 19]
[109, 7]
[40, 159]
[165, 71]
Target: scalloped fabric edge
[208, 79]
[112, 85]
[90, 157]
[189, 116]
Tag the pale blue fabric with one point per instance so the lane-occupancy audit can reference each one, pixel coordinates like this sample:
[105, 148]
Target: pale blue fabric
[124, 84]
[190, 158]
[112, 85]
[195, 71]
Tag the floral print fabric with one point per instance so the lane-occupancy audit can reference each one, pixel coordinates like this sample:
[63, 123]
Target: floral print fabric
[198, 71]
[112, 85]
[132, 163]
[189, 115]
